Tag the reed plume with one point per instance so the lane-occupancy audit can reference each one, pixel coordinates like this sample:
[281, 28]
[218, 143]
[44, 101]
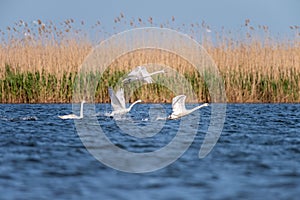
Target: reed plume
[39, 62]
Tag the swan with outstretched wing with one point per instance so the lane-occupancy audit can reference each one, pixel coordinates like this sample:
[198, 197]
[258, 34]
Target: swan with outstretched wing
[178, 107]
[118, 102]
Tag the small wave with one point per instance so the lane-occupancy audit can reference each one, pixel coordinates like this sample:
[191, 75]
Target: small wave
[99, 114]
[4, 118]
[107, 114]
[161, 118]
[118, 117]
[29, 118]
[26, 118]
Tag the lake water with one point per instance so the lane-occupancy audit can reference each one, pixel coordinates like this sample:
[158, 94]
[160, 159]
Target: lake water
[257, 156]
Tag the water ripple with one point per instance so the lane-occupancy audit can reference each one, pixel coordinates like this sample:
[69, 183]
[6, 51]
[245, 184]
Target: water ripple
[42, 157]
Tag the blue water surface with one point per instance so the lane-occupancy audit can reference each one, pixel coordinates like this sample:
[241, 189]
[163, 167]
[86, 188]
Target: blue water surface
[256, 157]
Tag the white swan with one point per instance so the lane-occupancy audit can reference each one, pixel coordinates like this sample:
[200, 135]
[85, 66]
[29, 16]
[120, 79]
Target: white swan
[118, 102]
[140, 73]
[73, 116]
[178, 107]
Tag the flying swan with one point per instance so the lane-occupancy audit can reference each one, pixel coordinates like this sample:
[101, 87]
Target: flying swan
[118, 102]
[178, 107]
[73, 116]
[140, 73]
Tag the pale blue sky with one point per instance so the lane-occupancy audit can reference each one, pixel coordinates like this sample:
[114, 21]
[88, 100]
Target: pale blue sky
[231, 14]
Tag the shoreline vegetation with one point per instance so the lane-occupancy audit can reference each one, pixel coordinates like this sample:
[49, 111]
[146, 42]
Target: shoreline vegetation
[39, 62]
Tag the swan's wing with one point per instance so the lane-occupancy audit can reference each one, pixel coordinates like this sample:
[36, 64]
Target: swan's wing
[148, 79]
[135, 71]
[144, 72]
[115, 102]
[134, 75]
[178, 104]
[120, 96]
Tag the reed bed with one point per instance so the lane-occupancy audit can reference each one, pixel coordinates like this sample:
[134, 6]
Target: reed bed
[39, 62]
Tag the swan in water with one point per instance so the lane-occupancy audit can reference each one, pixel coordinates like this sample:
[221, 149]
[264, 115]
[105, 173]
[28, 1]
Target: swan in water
[178, 107]
[73, 116]
[118, 102]
[140, 73]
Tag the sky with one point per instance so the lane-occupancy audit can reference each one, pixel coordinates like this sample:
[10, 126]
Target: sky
[231, 14]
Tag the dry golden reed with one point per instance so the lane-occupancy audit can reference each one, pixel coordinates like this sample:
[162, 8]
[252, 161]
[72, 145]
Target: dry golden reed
[255, 66]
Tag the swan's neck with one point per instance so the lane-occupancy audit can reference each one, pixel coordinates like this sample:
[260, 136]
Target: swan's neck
[81, 110]
[133, 105]
[157, 72]
[196, 108]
